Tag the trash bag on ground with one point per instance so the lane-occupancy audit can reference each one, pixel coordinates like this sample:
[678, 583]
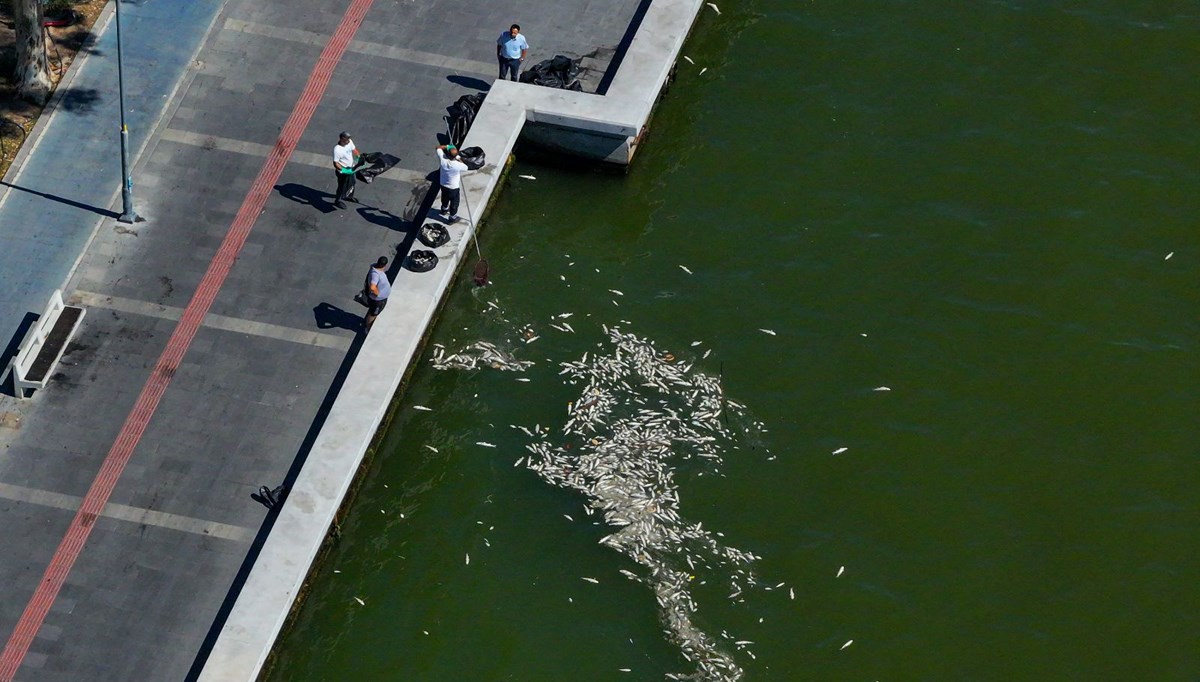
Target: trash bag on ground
[374, 164]
[433, 235]
[421, 261]
[558, 72]
[462, 115]
[473, 157]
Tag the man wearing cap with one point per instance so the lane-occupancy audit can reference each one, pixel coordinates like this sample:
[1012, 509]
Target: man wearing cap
[511, 49]
[345, 158]
[450, 180]
[377, 287]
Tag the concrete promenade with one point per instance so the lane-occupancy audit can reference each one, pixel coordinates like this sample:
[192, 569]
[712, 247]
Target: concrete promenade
[221, 352]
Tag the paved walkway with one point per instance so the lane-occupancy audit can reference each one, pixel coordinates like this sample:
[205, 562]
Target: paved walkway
[140, 505]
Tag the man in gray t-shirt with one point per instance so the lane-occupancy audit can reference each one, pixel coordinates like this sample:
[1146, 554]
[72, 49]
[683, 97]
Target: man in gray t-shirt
[377, 288]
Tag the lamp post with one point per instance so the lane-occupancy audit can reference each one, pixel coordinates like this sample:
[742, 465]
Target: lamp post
[128, 215]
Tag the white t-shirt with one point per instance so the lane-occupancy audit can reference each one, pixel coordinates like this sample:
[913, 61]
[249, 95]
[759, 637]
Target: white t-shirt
[451, 171]
[344, 154]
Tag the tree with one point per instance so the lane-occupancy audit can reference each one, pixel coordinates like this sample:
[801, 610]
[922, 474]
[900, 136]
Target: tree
[33, 69]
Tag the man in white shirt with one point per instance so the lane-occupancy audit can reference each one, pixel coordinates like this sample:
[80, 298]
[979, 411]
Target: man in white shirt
[345, 158]
[450, 180]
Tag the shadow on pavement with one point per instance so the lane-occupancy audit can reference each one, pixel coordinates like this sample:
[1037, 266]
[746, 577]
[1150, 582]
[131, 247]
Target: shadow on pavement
[10, 352]
[63, 200]
[468, 82]
[382, 218]
[329, 316]
[322, 201]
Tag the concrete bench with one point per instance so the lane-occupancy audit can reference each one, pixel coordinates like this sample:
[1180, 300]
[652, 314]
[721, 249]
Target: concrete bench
[44, 344]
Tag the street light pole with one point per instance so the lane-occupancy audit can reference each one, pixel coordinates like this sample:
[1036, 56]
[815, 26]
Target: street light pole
[128, 215]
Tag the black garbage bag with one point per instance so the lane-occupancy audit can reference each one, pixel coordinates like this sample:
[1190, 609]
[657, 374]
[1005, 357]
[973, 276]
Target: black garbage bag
[373, 164]
[473, 157]
[421, 261]
[433, 235]
[462, 115]
[558, 72]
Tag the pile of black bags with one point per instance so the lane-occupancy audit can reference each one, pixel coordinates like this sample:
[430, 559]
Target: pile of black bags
[559, 72]
[462, 115]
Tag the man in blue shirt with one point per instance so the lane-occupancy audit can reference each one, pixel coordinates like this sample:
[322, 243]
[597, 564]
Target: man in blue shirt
[377, 288]
[511, 49]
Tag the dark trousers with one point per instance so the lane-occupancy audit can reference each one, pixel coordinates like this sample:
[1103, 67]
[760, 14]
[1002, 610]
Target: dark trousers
[345, 188]
[510, 65]
[450, 200]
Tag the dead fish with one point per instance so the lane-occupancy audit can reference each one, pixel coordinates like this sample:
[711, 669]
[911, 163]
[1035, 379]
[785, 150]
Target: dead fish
[430, 447]
[523, 380]
[702, 71]
[617, 292]
[689, 59]
[484, 444]
[590, 580]
[848, 643]
[768, 331]
[881, 388]
[527, 177]
[792, 592]
[840, 451]
[468, 559]
[840, 572]
[685, 269]
[1169, 255]
[360, 602]
[422, 408]
[714, 7]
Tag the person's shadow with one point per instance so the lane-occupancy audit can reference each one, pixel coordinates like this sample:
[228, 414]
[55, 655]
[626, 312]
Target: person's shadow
[382, 218]
[322, 201]
[329, 316]
[468, 82]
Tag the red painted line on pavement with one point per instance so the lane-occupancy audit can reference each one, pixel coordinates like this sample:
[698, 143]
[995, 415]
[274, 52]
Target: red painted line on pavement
[185, 331]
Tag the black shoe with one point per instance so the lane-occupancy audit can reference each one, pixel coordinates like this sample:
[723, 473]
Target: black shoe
[340, 204]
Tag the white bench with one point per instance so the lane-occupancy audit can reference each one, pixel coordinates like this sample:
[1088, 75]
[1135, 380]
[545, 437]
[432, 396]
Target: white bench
[44, 344]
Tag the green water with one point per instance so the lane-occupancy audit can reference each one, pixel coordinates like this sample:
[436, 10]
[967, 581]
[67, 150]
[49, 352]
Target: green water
[969, 203]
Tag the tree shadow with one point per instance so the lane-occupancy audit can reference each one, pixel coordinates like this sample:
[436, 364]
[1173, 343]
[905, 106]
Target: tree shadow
[329, 316]
[322, 201]
[81, 100]
[468, 82]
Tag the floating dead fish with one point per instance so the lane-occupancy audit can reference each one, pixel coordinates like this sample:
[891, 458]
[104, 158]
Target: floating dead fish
[527, 177]
[422, 408]
[430, 447]
[689, 59]
[590, 580]
[881, 388]
[848, 643]
[468, 563]
[685, 269]
[768, 331]
[714, 7]
[839, 451]
[840, 572]
[616, 292]
[484, 444]
[791, 593]
[360, 601]
[702, 71]
[1169, 255]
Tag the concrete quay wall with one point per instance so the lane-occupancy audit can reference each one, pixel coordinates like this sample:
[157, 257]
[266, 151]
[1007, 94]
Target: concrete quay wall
[594, 126]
